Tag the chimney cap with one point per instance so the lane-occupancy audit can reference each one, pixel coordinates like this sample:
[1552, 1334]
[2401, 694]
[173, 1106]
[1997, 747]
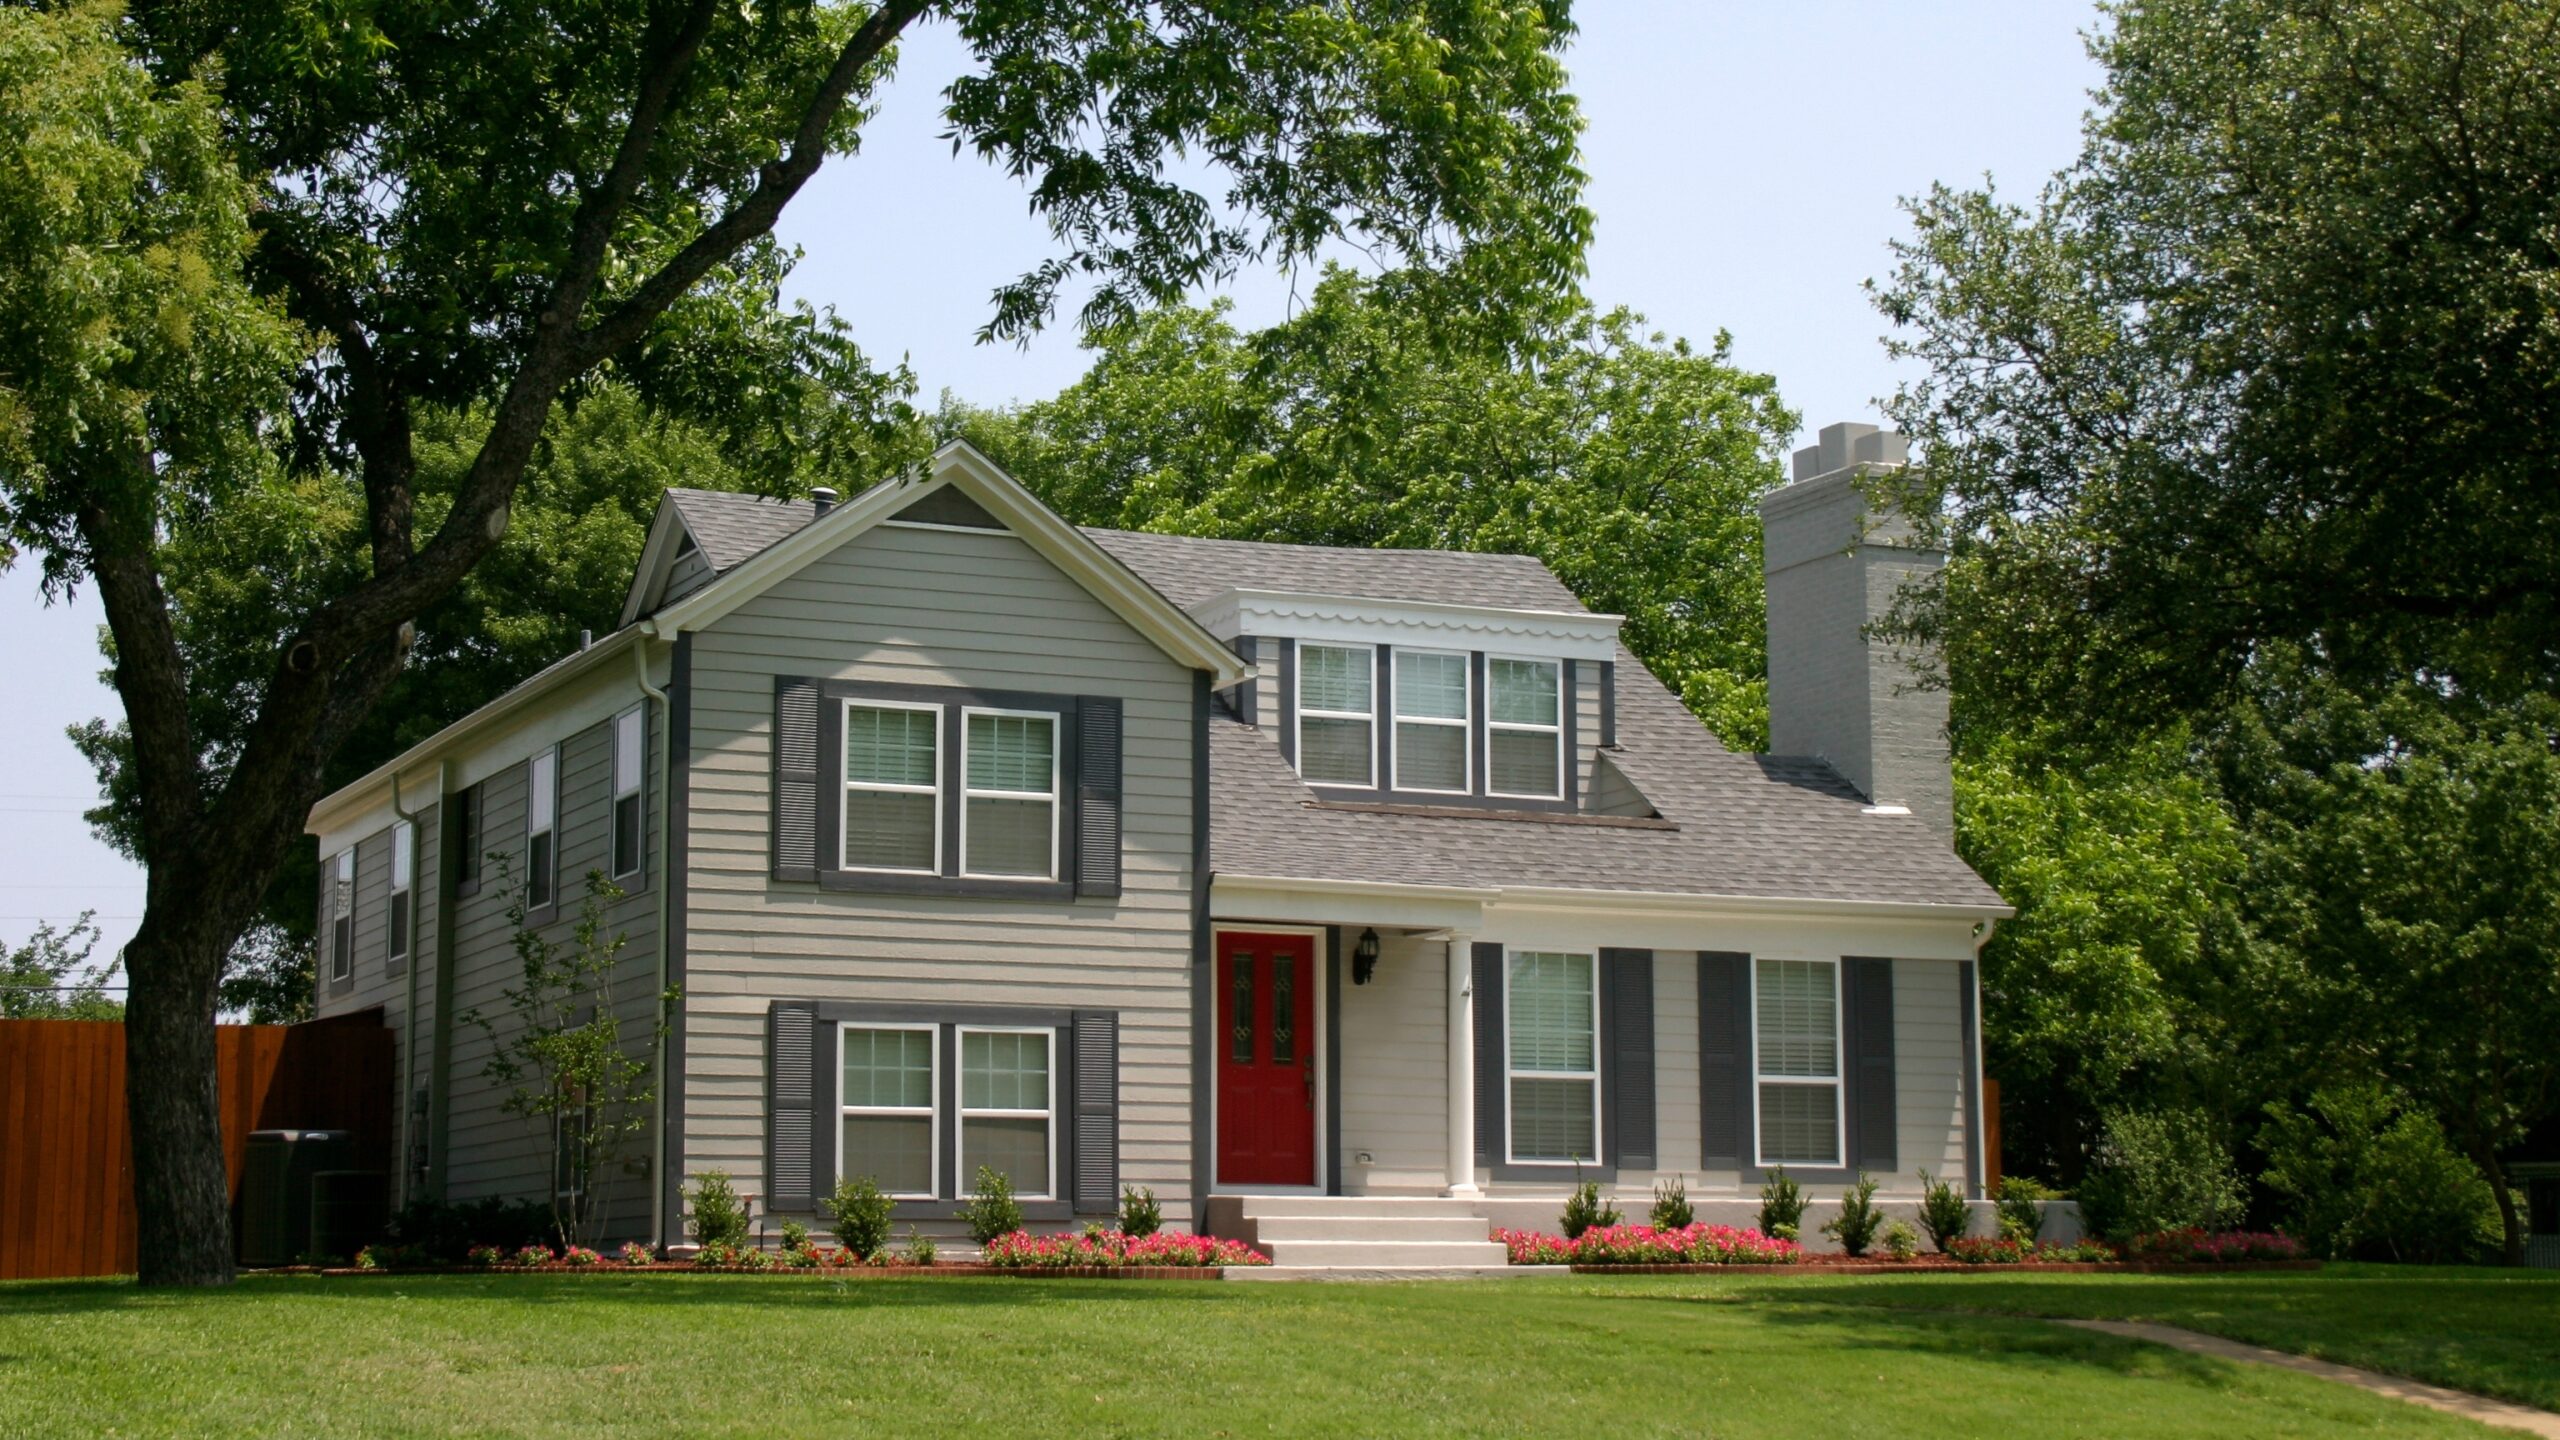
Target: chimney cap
[823, 496]
[1850, 443]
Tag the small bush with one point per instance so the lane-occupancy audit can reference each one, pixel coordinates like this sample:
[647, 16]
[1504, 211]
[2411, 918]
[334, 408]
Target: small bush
[1782, 1206]
[444, 1233]
[580, 1257]
[1943, 1212]
[1855, 1226]
[2364, 1175]
[795, 1237]
[719, 1216]
[635, 1253]
[920, 1248]
[2019, 1203]
[532, 1257]
[1671, 1209]
[1140, 1215]
[858, 1215]
[991, 1210]
[2158, 1170]
[1584, 1210]
[1901, 1241]
[486, 1256]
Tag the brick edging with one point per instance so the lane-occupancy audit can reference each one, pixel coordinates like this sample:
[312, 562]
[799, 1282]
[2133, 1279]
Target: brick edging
[835, 1272]
[1886, 1267]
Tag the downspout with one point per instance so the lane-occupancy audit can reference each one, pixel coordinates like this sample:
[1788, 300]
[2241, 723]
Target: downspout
[417, 962]
[666, 918]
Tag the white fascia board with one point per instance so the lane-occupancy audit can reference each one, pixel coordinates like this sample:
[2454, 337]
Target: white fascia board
[1565, 634]
[1276, 899]
[649, 579]
[1671, 903]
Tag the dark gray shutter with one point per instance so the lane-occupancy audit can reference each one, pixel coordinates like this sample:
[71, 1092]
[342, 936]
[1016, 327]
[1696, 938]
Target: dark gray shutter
[1097, 1112]
[795, 780]
[1490, 1091]
[1097, 816]
[1627, 981]
[1724, 1060]
[790, 1172]
[1871, 1088]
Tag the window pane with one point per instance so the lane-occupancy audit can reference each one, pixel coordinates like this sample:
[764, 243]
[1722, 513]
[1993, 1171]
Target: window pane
[1018, 1149]
[1431, 685]
[404, 852]
[399, 923]
[1008, 837]
[626, 752]
[888, 747]
[1241, 1001]
[888, 830]
[1284, 1009]
[1334, 751]
[1524, 762]
[1799, 1125]
[542, 790]
[894, 1150]
[1551, 1012]
[1431, 757]
[626, 834]
[1333, 677]
[888, 1067]
[1004, 1071]
[1524, 691]
[538, 870]
[1010, 752]
[1552, 1119]
[1797, 1011]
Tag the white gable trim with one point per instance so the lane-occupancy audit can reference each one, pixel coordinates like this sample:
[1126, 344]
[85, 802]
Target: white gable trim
[1567, 634]
[649, 580]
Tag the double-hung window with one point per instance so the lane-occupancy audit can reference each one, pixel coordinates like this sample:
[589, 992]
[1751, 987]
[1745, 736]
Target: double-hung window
[1796, 1049]
[1524, 724]
[1553, 1024]
[1432, 713]
[890, 1133]
[404, 865]
[892, 787]
[541, 828]
[1009, 801]
[1337, 715]
[342, 915]
[627, 735]
[1007, 1122]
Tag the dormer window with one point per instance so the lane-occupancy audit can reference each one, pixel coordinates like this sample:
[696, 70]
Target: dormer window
[1337, 715]
[1525, 729]
[1432, 712]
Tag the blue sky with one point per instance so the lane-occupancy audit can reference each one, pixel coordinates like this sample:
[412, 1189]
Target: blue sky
[1746, 162]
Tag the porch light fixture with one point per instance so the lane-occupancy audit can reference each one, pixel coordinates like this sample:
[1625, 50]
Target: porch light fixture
[1364, 957]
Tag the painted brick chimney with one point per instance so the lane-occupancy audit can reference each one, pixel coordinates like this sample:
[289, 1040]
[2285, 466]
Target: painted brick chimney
[1835, 564]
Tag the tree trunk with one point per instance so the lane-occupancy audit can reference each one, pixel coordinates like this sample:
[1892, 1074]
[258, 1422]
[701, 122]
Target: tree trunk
[2487, 1159]
[181, 1188]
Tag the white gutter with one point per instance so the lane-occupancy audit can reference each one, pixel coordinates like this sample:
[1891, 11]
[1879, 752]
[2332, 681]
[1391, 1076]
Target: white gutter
[1539, 897]
[666, 916]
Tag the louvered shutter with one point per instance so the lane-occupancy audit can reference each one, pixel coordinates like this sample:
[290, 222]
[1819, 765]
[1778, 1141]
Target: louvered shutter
[1628, 978]
[1097, 816]
[1724, 1060]
[1490, 1091]
[790, 1172]
[1097, 1112]
[1872, 1093]
[795, 780]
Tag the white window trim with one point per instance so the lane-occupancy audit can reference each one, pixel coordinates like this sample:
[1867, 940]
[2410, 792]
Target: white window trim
[1599, 1142]
[533, 787]
[1839, 1089]
[639, 785]
[1464, 724]
[1556, 730]
[961, 1110]
[934, 867]
[932, 1111]
[1300, 714]
[968, 792]
[404, 856]
[342, 911]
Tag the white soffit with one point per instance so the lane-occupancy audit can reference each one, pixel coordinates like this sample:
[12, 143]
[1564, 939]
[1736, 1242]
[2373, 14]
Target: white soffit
[1564, 634]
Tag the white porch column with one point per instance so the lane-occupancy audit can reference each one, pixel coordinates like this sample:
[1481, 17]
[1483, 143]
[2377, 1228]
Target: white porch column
[1462, 1066]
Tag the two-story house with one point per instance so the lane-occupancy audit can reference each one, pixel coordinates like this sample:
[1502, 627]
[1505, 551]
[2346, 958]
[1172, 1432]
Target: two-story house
[1344, 898]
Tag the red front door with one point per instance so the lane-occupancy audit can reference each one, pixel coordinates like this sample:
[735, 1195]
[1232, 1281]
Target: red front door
[1266, 1059]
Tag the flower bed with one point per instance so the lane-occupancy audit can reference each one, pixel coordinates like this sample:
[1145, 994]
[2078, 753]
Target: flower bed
[1111, 1250]
[1986, 1250]
[2194, 1246]
[1645, 1245]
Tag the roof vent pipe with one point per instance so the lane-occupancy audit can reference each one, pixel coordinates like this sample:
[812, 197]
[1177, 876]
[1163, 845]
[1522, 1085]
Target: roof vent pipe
[824, 497]
[586, 640]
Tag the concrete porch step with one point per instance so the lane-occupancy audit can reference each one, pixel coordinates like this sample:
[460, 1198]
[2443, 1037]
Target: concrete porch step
[1279, 1229]
[1374, 1254]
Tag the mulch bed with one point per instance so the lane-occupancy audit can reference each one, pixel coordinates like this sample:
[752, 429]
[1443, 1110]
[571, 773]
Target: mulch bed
[1942, 1265]
[838, 1272]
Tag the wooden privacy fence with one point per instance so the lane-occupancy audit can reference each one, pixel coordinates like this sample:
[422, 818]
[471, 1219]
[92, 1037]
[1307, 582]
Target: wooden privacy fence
[66, 1156]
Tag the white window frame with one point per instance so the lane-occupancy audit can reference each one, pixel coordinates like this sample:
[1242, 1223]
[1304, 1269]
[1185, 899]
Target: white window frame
[1556, 730]
[1465, 724]
[396, 935]
[638, 721]
[1299, 713]
[1839, 1065]
[542, 789]
[1599, 1141]
[342, 915]
[960, 1109]
[968, 792]
[941, 765]
[932, 1111]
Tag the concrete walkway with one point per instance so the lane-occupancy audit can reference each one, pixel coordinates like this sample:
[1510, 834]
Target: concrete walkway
[2500, 1413]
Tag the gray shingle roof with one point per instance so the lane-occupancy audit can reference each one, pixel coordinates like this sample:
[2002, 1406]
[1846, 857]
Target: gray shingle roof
[732, 528]
[1190, 571]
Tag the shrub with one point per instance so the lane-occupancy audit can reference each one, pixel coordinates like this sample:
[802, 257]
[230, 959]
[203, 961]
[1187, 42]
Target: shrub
[920, 1248]
[1943, 1212]
[444, 1234]
[1855, 1226]
[2004, 1250]
[795, 1237]
[485, 1256]
[2192, 1246]
[1584, 1210]
[1671, 1205]
[580, 1257]
[1901, 1241]
[2019, 1203]
[532, 1256]
[1782, 1206]
[858, 1214]
[991, 1210]
[635, 1253]
[1140, 1215]
[2364, 1175]
[1650, 1245]
[719, 1216]
[2158, 1170]
[1020, 1251]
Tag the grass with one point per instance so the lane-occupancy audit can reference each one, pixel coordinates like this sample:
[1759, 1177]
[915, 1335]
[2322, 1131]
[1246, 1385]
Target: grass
[739, 1355]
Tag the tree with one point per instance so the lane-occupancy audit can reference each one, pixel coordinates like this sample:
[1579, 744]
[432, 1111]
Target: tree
[2269, 363]
[50, 976]
[489, 208]
[1631, 464]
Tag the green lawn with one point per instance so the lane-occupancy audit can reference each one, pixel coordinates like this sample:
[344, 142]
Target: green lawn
[742, 1355]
